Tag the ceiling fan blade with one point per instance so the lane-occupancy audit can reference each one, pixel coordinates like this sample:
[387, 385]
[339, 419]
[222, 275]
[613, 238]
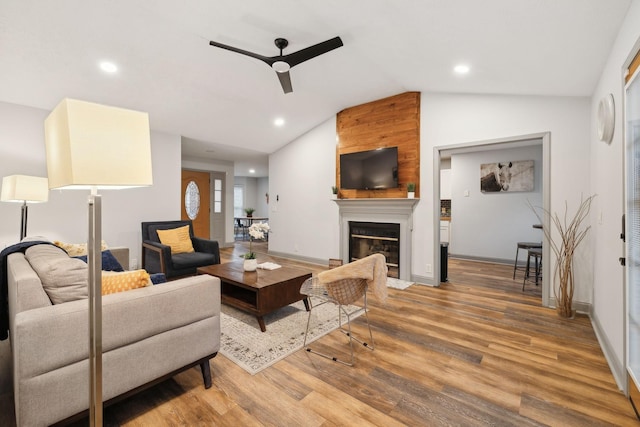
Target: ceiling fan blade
[265, 59]
[310, 52]
[285, 81]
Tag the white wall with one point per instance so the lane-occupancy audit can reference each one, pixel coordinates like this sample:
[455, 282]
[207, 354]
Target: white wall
[450, 119]
[608, 183]
[262, 188]
[306, 225]
[303, 219]
[489, 225]
[64, 216]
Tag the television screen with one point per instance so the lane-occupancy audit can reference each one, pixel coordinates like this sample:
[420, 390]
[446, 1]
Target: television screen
[369, 170]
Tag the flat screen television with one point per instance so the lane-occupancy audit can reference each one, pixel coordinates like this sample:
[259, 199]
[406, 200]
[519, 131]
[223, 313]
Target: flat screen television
[369, 170]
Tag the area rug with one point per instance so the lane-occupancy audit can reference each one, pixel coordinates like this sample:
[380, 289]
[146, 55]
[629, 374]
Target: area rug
[397, 283]
[242, 342]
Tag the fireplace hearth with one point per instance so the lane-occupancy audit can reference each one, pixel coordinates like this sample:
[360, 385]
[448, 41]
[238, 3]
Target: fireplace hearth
[368, 238]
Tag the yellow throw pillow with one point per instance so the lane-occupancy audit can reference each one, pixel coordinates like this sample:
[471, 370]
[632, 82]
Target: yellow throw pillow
[113, 281]
[177, 238]
[77, 249]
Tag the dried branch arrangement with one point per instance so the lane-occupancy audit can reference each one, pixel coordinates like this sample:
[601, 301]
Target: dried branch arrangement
[572, 232]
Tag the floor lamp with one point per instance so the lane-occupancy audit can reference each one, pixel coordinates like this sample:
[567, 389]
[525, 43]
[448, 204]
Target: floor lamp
[24, 189]
[91, 146]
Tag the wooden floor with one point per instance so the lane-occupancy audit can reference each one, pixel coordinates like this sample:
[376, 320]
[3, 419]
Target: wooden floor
[477, 351]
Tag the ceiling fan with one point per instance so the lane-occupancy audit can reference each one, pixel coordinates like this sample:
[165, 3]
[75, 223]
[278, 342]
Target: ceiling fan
[283, 63]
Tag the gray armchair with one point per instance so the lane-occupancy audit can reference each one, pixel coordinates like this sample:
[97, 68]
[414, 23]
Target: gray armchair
[157, 258]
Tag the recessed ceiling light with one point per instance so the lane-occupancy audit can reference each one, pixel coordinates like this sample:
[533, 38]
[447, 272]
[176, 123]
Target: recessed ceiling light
[108, 67]
[252, 171]
[279, 122]
[461, 69]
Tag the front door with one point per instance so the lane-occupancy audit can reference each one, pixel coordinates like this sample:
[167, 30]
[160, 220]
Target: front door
[632, 230]
[195, 201]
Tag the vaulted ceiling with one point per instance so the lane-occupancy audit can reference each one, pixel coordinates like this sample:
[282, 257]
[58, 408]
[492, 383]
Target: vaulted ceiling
[224, 104]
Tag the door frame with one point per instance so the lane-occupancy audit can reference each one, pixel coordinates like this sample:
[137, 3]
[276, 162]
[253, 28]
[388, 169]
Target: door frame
[509, 142]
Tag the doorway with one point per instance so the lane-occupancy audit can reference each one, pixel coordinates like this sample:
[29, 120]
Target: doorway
[444, 152]
[195, 201]
[202, 202]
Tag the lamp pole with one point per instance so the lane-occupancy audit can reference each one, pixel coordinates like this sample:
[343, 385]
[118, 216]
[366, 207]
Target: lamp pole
[94, 259]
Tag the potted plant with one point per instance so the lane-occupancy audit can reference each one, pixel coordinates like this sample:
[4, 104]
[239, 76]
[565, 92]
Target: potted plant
[572, 232]
[411, 190]
[249, 212]
[257, 230]
[334, 191]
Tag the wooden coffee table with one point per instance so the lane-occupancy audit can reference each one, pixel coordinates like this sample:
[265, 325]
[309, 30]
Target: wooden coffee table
[258, 292]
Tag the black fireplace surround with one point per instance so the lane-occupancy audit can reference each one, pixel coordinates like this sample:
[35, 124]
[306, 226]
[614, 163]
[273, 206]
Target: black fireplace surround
[367, 238]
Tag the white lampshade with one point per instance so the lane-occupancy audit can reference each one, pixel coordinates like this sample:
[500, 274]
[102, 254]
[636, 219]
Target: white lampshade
[95, 146]
[23, 188]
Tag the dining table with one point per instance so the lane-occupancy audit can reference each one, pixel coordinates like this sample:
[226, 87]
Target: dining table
[244, 222]
[248, 220]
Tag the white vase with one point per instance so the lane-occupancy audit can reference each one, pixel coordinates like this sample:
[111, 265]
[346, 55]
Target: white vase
[410, 194]
[250, 264]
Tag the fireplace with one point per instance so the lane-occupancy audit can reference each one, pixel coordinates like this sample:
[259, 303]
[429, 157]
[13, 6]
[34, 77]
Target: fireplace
[381, 211]
[368, 238]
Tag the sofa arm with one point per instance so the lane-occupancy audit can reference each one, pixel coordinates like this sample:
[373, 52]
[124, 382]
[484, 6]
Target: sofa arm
[61, 331]
[156, 257]
[207, 246]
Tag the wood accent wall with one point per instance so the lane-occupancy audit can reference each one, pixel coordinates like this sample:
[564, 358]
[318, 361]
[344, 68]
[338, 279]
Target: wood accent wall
[632, 67]
[388, 122]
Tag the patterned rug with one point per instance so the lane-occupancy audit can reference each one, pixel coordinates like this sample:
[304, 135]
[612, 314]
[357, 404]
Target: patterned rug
[243, 343]
[397, 283]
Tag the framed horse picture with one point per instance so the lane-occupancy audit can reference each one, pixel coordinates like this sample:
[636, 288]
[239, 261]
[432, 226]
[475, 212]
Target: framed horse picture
[509, 176]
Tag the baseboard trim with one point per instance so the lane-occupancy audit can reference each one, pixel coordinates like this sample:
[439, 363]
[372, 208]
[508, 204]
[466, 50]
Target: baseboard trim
[424, 280]
[618, 371]
[579, 307]
[634, 395]
[310, 260]
[484, 259]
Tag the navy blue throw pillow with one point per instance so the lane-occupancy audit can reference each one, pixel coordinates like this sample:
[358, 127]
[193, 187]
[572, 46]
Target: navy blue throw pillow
[157, 278]
[109, 262]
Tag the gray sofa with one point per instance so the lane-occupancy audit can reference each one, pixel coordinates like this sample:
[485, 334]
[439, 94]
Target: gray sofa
[149, 334]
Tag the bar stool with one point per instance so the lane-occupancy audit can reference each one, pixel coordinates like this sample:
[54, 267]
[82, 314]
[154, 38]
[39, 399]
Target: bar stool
[526, 246]
[536, 253]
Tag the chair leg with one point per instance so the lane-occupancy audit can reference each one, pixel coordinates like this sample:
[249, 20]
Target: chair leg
[347, 332]
[206, 374]
[515, 264]
[526, 273]
[366, 316]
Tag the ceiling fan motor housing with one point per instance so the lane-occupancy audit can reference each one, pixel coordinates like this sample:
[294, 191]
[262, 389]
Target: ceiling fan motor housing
[281, 44]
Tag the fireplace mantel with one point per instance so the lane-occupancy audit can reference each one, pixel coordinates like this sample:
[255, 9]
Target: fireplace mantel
[398, 211]
[394, 205]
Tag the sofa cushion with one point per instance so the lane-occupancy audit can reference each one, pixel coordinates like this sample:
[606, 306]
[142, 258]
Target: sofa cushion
[177, 238]
[77, 249]
[192, 260]
[63, 278]
[109, 262]
[115, 281]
